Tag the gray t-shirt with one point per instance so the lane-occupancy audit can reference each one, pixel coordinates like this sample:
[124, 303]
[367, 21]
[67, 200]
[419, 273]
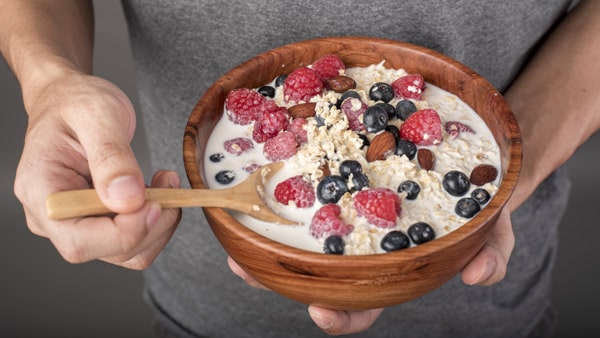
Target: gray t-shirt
[181, 47]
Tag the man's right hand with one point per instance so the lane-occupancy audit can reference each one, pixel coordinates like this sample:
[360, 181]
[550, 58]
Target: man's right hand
[79, 134]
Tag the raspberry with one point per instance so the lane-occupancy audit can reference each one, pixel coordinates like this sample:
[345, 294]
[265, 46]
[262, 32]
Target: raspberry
[354, 109]
[238, 145]
[280, 147]
[297, 190]
[301, 85]
[242, 105]
[272, 120]
[409, 86]
[297, 128]
[454, 128]
[380, 206]
[328, 66]
[326, 222]
[251, 167]
[423, 128]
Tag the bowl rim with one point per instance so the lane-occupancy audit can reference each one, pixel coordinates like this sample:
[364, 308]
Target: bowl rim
[195, 174]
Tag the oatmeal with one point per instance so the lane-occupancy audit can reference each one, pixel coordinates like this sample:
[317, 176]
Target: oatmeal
[376, 159]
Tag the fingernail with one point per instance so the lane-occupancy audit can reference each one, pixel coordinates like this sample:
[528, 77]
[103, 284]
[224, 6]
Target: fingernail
[174, 181]
[321, 321]
[490, 266]
[124, 188]
[152, 215]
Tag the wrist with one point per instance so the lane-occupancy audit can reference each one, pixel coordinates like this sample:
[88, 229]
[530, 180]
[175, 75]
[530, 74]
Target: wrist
[36, 81]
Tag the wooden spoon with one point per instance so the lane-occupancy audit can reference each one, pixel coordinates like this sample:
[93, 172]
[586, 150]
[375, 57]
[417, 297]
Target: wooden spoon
[245, 197]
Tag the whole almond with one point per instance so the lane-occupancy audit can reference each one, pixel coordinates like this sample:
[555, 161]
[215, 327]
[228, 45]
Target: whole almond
[426, 159]
[340, 83]
[381, 146]
[302, 110]
[483, 174]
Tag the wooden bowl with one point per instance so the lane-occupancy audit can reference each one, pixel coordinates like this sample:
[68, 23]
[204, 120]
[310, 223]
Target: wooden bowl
[368, 281]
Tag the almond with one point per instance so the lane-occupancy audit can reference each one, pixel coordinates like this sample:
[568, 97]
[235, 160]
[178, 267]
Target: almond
[483, 173]
[325, 170]
[340, 83]
[381, 146]
[426, 159]
[302, 110]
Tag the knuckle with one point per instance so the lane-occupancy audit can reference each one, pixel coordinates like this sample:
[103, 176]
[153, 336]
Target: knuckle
[110, 153]
[70, 251]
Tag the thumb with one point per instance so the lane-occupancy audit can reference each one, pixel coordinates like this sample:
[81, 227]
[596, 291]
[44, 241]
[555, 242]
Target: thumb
[115, 172]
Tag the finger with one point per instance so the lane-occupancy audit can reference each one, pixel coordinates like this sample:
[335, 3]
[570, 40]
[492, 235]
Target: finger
[141, 257]
[243, 275]
[89, 238]
[343, 322]
[489, 266]
[115, 172]
[144, 257]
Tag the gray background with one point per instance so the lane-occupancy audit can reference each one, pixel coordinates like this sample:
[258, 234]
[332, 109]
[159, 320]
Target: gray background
[43, 296]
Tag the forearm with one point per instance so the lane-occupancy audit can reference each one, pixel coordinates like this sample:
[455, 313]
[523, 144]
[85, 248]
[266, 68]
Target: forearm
[41, 40]
[556, 97]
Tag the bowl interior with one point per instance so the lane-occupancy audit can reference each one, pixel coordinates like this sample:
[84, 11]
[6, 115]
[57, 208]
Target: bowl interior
[458, 246]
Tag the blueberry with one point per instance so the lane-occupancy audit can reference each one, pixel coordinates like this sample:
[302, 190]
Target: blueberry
[404, 109]
[411, 188]
[347, 94]
[331, 188]
[481, 195]
[467, 207]
[394, 130]
[348, 167]
[394, 240]
[456, 183]
[334, 245]
[421, 232]
[267, 91]
[280, 80]
[375, 119]
[389, 109]
[381, 91]
[319, 120]
[359, 181]
[407, 148]
[365, 140]
[216, 157]
[225, 176]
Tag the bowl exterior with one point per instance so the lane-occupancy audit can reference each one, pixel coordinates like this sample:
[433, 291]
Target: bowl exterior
[356, 282]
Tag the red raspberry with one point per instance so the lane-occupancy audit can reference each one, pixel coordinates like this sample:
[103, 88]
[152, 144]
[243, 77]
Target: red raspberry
[272, 120]
[409, 86]
[354, 109]
[423, 128]
[328, 66]
[280, 147]
[238, 145]
[297, 128]
[380, 206]
[454, 128]
[301, 85]
[297, 190]
[325, 222]
[242, 105]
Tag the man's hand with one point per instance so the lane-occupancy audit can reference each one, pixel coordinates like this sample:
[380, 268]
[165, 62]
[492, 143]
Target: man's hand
[78, 136]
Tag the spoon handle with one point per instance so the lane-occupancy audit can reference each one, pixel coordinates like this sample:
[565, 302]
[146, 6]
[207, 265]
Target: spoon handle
[85, 202]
